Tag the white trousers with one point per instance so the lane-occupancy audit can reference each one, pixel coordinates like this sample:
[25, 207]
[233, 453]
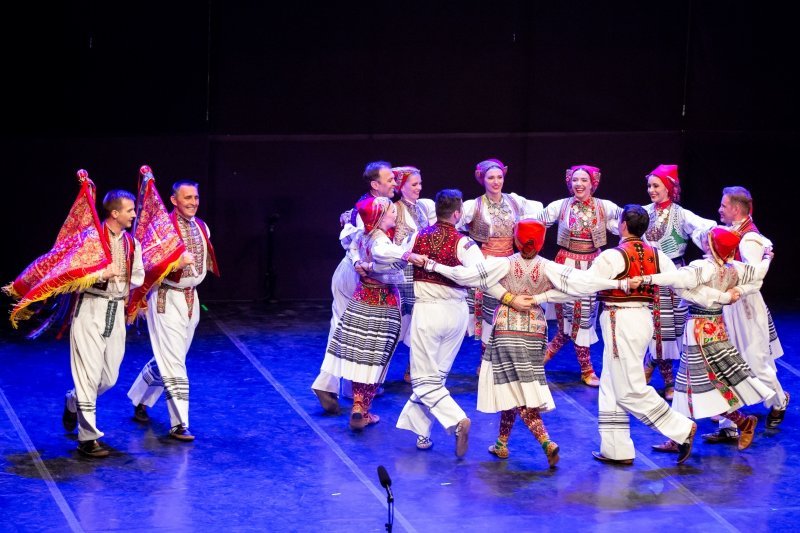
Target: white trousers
[96, 348]
[623, 390]
[437, 330]
[171, 335]
[343, 285]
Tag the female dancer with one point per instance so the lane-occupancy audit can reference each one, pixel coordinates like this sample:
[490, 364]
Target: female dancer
[490, 220]
[713, 379]
[413, 214]
[367, 333]
[582, 224]
[671, 228]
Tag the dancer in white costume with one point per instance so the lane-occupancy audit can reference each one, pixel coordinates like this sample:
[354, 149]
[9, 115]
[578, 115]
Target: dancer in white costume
[671, 229]
[413, 214]
[381, 182]
[173, 312]
[751, 328]
[582, 224]
[437, 327]
[97, 335]
[713, 379]
[367, 334]
[512, 378]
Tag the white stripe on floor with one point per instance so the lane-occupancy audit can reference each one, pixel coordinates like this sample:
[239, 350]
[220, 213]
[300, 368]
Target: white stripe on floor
[372, 487]
[39, 464]
[646, 460]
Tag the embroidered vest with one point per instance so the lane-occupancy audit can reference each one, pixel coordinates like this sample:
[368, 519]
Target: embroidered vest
[211, 262]
[129, 249]
[402, 228]
[747, 227]
[440, 243]
[640, 259]
[479, 228]
[598, 231]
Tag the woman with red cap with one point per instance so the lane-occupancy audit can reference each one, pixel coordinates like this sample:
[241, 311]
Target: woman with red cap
[671, 228]
[413, 214]
[512, 378]
[713, 379]
[582, 223]
[489, 220]
[367, 333]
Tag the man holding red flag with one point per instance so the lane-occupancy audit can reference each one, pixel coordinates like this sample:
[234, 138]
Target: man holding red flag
[97, 335]
[173, 311]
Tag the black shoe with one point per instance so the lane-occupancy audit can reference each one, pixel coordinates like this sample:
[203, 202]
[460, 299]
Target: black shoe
[723, 435]
[181, 433]
[69, 419]
[685, 449]
[92, 448]
[603, 459]
[775, 416]
[140, 414]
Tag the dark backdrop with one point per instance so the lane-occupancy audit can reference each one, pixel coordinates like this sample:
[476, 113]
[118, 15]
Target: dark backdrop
[276, 109]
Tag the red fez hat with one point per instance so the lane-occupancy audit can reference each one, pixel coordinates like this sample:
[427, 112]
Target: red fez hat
[371, 211]
[723, 242]
[530, 235]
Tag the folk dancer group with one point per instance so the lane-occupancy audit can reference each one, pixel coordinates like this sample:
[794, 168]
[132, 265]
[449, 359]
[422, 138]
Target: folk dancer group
[654, 309]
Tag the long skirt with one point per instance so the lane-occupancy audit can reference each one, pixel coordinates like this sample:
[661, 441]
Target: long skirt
[713, 378]
[366, 336]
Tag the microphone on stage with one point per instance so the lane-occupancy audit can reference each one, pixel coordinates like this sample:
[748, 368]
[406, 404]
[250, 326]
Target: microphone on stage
[386, 482]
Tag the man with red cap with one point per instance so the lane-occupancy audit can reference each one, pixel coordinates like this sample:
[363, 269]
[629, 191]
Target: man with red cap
[380, 181]
[713, 379]
[512, 378]
[671, 229]
[749, 321]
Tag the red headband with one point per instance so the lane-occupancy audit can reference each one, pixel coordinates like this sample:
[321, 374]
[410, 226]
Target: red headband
[530, 235]
[401, 175]
[594, 175]
[668, 174]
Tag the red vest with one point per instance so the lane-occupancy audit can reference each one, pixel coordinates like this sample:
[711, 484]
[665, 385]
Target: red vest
[747, 227]
[440, 243]
[641, 259]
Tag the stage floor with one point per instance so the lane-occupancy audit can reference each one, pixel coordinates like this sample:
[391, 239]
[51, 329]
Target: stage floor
[267, 458]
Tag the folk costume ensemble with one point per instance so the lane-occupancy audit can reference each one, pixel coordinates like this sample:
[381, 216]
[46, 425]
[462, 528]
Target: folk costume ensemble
[582, 226]
[437, 329]
[173, 312]
[491, 225]
[713, 379]
[627, 326]
[752, 330]
[343, 285]
[367, 333]
[97, 335]
[671, 229]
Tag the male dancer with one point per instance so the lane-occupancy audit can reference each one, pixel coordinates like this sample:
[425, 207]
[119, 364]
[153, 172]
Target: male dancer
[381, 182]
[173, 311]
[97, 334]
[749, 323]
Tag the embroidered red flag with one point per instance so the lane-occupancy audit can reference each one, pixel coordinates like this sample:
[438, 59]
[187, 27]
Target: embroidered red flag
[162, 246]
[75, 263]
